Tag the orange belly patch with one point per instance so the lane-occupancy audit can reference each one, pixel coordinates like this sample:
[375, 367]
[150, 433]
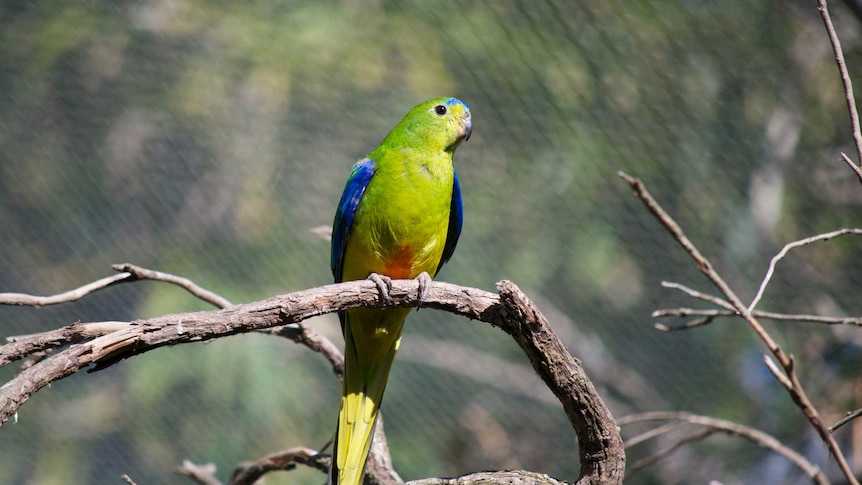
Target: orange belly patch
[400, 264]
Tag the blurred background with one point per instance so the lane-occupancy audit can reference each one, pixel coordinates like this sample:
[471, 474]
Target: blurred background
[207, 139]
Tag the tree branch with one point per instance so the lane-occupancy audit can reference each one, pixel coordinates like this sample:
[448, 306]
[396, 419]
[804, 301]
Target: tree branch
[795, 244]
[850, 416]
[247, 473]
[601, 452]
[848, 88]
[139, 273]
[667, 451]
[23, 299]
[507, 477]
[715, 313]
[719, 425]
[795, 389]
[128, 273]
[203, 474]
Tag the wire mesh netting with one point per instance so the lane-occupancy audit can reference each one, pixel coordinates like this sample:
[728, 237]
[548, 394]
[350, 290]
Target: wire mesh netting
[208, 139]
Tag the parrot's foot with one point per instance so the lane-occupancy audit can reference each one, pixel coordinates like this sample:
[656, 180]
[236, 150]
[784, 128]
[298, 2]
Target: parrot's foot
[384, 286]
[424, 285]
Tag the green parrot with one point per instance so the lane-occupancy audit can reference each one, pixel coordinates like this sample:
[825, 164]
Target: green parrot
[399, 217]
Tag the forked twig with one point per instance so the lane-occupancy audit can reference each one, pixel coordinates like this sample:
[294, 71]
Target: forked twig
[713, 425]
[850, 416]
[203, 474]
[787, 370]
[147, 274]
[667, 451]
[23, 299]
[248, 473]
[795, 244]
[699, 295]
[709, 315]
[848, 87]
[128, 273]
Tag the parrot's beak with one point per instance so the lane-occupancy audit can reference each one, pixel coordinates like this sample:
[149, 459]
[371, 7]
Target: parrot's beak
[464, 130]
[466, 125]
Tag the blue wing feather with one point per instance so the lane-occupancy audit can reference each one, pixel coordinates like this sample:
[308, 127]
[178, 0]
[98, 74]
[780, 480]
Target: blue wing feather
[358, 181]
[456, 220]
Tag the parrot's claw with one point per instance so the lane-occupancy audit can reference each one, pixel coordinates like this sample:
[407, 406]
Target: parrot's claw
[424, 285]
[384, 286]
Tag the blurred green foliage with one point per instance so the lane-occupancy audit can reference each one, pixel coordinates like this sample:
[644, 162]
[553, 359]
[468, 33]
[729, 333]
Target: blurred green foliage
[206, 138]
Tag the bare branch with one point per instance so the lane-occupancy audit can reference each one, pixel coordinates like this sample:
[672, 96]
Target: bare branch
[713, 313]
[23, 345]
[247, 473]
[147, 274]
[653, 433]
[698, 322]
[37, 346]
[779, 375]
[508, 477]
[719, 425]
[22, 299]
[846, 419]
[379, 468]
[601, 452]
[848, 87]
[795, 244]
[128, 273]
[694, 294]
[796, 391]
[667, 451]
[203, 474]
[856, 169]
[697, 294]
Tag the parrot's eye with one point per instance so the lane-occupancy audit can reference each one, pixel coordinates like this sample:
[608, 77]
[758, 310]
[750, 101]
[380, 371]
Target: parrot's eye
[440, 109]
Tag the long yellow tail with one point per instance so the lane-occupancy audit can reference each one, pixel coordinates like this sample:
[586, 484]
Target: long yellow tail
[371, 339]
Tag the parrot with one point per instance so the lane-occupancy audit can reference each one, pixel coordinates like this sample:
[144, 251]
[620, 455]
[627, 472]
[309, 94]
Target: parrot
[399, 217]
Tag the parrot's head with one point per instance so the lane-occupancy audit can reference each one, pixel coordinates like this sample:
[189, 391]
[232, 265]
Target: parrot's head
[438, 124]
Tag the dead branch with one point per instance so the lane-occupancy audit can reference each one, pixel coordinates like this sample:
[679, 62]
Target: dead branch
[848, 87]
[23, 345]
[249, 472]
[601, 452]
[602, 455]
[787, 372]
[128, 273]
[713, 425]
[795, 244]
[850, 416]
[667, 451]
[38, 345]
[710, 314]
[203, 474]
[699, 295]
[508, 477]
[128, 479]
[23, 299]
[379, 470]
[147, 274]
